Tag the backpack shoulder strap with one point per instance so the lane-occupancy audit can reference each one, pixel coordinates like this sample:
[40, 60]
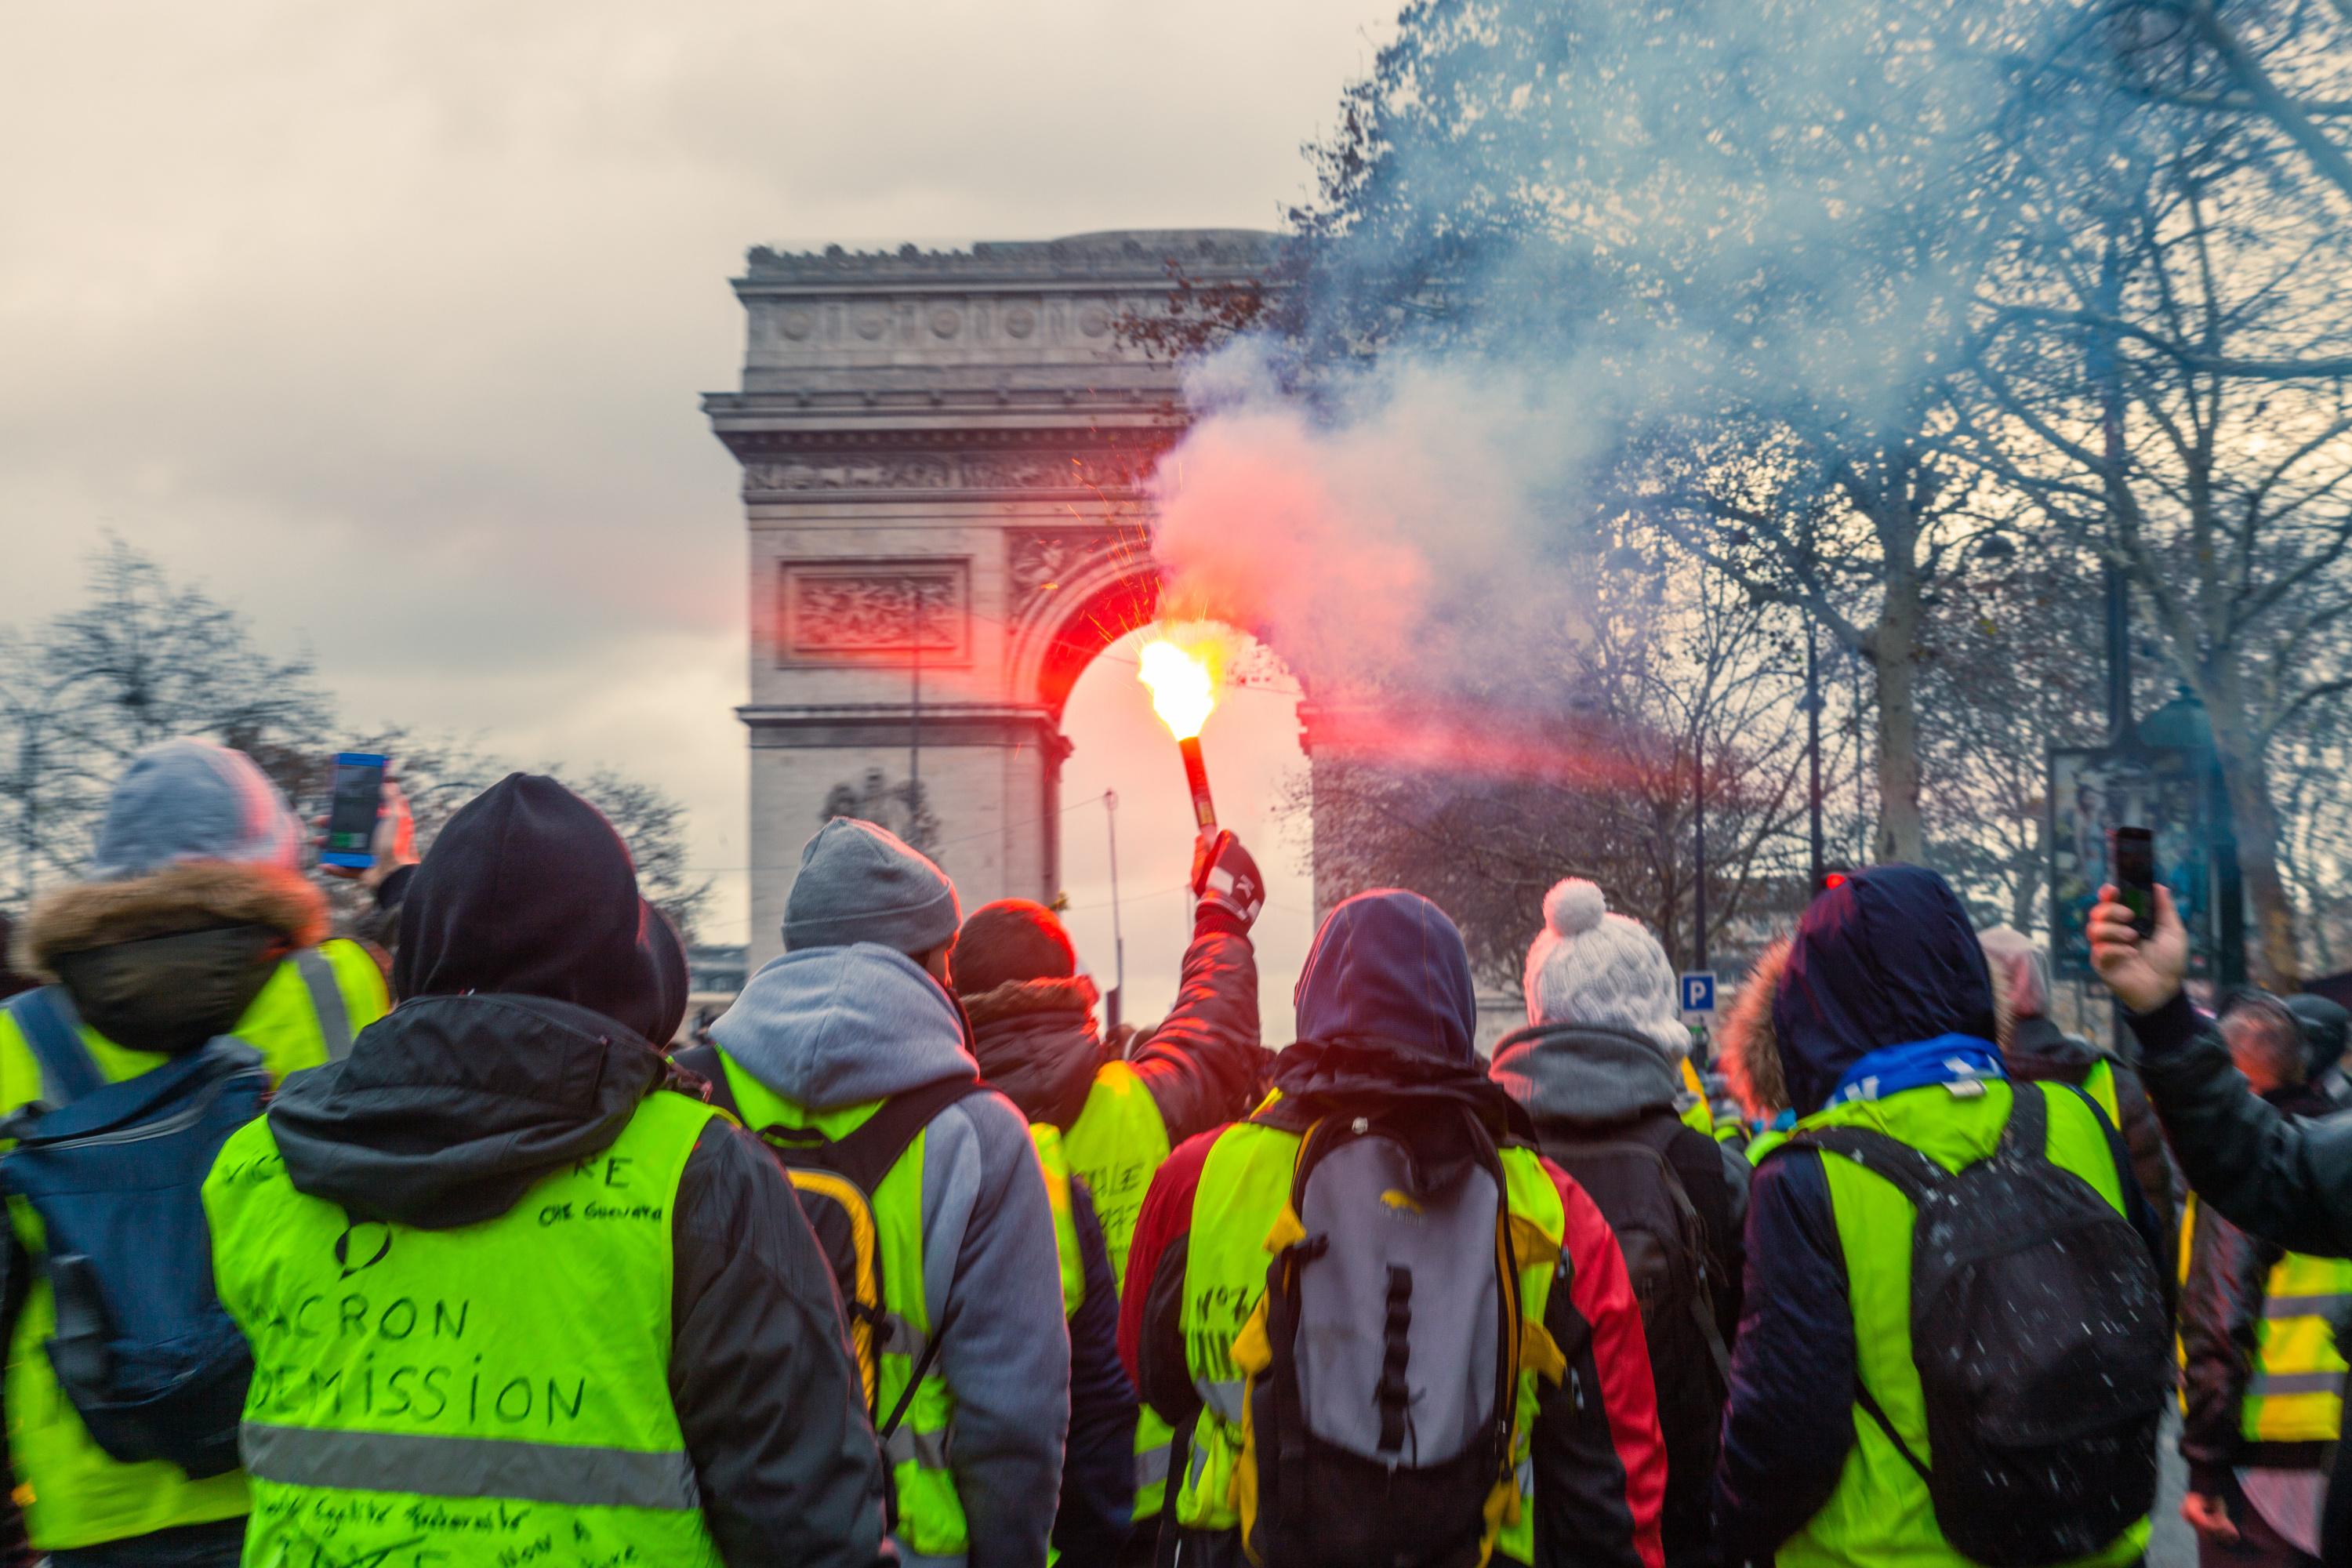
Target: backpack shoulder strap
[52, 1029]
[866, 1152]
[326, 1000]
[703, 1062]
[1913, 1174]
[2026, 1131]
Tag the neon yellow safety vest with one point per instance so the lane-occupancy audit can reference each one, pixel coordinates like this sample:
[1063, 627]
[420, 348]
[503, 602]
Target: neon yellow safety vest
[932, 1525]
[1241, 1216]
[1055, 1164]
[1881, 1513]
[72, 1493]
[1117, 1144]
[1700, 1116]
[2296, 1392]
[2100, 1084]
[491, 1394]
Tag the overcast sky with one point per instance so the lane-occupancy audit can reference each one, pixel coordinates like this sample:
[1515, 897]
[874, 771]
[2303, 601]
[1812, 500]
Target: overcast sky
[388, 322]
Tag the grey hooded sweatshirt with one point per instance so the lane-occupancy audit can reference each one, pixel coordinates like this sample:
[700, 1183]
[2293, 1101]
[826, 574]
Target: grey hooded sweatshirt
[835, 1026]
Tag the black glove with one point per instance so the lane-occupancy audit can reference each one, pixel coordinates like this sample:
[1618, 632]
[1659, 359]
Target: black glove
[1226, 881]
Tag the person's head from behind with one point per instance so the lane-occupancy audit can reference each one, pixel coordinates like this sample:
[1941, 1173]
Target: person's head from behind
[1011, 942]
[1596, 970]
[1888, 958]
[198, 855]
[2021, 976]
[858, 882]
[1389, 976]
[2265, 1042]
[529, 891]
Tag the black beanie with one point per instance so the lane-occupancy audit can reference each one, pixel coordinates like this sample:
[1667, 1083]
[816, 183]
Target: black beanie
[1011, 939]
[527, 890]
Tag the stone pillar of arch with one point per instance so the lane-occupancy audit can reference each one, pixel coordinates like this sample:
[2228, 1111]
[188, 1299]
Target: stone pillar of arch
[941, 461]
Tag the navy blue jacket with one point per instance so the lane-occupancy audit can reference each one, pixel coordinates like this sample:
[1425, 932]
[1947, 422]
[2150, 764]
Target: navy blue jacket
[1099, 1470]
[1887, 959]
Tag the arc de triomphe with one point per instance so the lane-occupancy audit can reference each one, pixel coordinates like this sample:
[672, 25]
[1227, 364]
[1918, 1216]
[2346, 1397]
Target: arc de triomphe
[941, 454]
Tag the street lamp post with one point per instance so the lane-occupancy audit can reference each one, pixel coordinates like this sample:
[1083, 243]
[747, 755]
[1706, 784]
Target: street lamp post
[1117, 935]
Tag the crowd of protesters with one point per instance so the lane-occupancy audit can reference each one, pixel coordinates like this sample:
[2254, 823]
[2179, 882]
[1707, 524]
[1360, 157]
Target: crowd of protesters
[429, 1249]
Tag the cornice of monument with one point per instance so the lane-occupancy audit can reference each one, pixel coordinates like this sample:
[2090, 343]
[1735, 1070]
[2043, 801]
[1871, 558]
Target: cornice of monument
[1109, 259]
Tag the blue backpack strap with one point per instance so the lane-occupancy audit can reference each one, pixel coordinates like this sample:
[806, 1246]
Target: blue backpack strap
[52, 1029]
[326, 1000]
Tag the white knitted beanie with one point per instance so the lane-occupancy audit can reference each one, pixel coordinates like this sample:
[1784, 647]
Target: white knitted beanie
[1588, 966]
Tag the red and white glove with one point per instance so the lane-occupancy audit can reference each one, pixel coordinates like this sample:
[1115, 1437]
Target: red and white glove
[1226, 880]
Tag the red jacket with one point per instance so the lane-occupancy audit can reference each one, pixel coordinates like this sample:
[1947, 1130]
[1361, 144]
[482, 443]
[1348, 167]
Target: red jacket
[1599, 1460]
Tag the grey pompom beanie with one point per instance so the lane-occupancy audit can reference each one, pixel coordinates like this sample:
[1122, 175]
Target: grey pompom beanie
[858, 882]
[191, 801]
[1590, 967]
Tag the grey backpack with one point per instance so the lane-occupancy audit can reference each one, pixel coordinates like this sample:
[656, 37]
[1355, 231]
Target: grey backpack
[1381, 1426]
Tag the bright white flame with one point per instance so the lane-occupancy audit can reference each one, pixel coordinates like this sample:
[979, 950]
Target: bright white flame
[1184, 683]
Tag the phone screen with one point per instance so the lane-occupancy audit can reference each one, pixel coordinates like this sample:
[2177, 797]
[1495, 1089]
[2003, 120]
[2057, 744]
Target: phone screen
[352, 813]
[2131, 862]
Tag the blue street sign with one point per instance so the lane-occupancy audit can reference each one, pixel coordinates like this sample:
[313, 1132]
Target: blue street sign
[1698, 991]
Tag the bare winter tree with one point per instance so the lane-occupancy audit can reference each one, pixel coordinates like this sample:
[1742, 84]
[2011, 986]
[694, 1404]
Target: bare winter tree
[142, 661]
[2165, 371]
[146, 659]
[1592, 768]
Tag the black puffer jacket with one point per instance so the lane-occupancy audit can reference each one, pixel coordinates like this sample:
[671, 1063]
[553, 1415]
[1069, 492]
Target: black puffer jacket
[449, 1109]
[2220, 1325]
[2281, 1177]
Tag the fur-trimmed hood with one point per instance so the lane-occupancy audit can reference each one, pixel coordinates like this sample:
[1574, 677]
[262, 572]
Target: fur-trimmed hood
[1747, 1049]
[1020, 998]
[196, 895]
[1037, 1043]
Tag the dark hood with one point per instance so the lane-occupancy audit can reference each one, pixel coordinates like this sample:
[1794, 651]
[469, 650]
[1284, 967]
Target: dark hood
[447, 1110]
[1388, 975]
[1386, 1009]
[529, 891]
[1885, 959]
[1036, 1043]
[1567, 1074]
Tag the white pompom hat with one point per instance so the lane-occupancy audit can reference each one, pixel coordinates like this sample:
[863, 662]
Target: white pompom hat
[1590, 967]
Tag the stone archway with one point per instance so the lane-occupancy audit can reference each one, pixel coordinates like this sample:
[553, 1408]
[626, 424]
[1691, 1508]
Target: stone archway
[942, 460]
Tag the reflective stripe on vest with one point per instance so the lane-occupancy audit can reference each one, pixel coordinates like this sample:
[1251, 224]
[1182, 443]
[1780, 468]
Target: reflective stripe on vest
[1245, 1189]
[1056, 1168]
[1881, 1512]
[1116, 1146]
[931, 1527]
[2296, 1392]
[439, 1393]
[72, 1492]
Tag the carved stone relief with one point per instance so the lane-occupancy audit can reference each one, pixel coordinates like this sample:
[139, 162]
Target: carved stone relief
[1040, 561]
[945, 470]
[862, 609]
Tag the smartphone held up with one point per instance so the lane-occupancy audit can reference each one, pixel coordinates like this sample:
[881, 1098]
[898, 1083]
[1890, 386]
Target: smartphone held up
[2131, 867]
[352, 810]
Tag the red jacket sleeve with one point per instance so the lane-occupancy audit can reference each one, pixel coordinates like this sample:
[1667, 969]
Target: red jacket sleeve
[1167, 1215]
[1599, 1457]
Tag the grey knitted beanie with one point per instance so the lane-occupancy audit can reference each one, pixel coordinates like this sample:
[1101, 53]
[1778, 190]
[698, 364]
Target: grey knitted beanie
[858, 882]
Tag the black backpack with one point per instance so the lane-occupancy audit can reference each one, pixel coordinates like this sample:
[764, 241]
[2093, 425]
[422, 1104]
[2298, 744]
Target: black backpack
[835, 1180]
[2039, 1333]
[1382, 1401]
[1639, 1193]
